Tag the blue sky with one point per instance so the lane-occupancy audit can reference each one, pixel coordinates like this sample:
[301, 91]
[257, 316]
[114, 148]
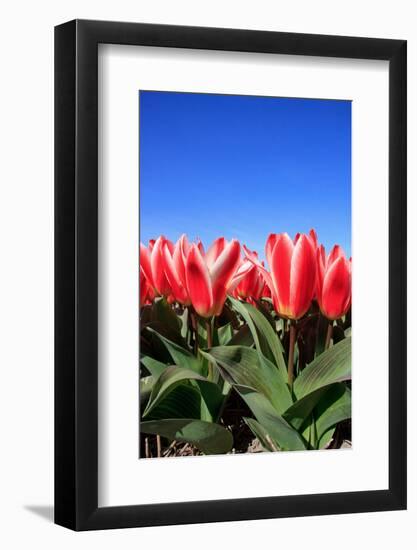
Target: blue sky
[244, 167]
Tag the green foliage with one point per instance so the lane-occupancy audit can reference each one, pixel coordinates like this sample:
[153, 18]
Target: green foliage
[331, 366]
[244, 366]
[186, 384]
[265, 338]
[209, 437]
[180, 356]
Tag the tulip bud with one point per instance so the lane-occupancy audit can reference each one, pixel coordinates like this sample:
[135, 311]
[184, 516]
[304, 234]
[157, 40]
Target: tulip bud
[334, 283]
[292, 275]
[209, 277]
[252, 284]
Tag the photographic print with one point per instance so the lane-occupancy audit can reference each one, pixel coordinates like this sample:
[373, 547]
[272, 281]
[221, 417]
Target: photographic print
[244, 274]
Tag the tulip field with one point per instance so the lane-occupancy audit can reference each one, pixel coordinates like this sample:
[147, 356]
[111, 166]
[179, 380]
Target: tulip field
[240, 354]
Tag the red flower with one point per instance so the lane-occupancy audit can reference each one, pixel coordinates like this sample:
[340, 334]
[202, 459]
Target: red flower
[143, 288]
[292, 276]
[266, 292]
[174, 264]
[312, 236]
[210, 276]
[251, 286]
[152, 263]
[334, 282]
[146, 294]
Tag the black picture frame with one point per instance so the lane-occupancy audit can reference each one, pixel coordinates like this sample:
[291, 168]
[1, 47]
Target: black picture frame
[76, 271]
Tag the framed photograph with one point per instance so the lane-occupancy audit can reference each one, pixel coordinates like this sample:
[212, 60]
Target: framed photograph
[230, 252]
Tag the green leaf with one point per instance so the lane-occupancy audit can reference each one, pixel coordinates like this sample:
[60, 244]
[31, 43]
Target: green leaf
[154, 367]
[333, 365]
[326, 406]
[262, 435]
[167, 381]
[265, 338]
[145, 388]
[184, 322]
[210, 438]
[242, 365]
[334, 407]
[284, 435]
[201, 332]
[183, 401]
[212, 400]
[225, 333]
[310, 432]
[243, 337]
[322, 326]
[163, 313]
[165, 321]
[297, 414]
[326, 438]
[180, 356]
[209, 397]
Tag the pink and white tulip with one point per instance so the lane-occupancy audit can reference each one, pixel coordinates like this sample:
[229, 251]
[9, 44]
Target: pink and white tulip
[334, 282]
[209, 277]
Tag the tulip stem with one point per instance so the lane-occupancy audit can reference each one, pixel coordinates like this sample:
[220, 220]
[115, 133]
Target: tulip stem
[291, 355]
[329, 334]
[209, 334]
[195, 331]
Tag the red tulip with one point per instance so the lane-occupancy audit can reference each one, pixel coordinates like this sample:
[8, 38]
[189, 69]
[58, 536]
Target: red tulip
[200, 247]
[312, 236]
[293, 273]
[143, 288]
[153, 264]
[252, 284]
[146, 293]
[334, 282]
[266, 292]
[174, 264]
[210, 277]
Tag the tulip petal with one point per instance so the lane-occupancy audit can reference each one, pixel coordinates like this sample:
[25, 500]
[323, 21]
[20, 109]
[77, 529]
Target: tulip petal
[336, 293]
[302, 277]
[313, 237]
[240, 278]
[253, 284]
[321, 268]
[266, 276]
[179, 256]
[269, 247]
[266, 291]
[222, 273]
[251, 256]
[335, 253]
[145, 263]
[280, 271]
[245, 268]
[143, 287]
[201, 247]
[249, 282]
[226, 263]
[258, 288]
[214, 251]
[198, 282]
[174, 280]
[158, 268]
